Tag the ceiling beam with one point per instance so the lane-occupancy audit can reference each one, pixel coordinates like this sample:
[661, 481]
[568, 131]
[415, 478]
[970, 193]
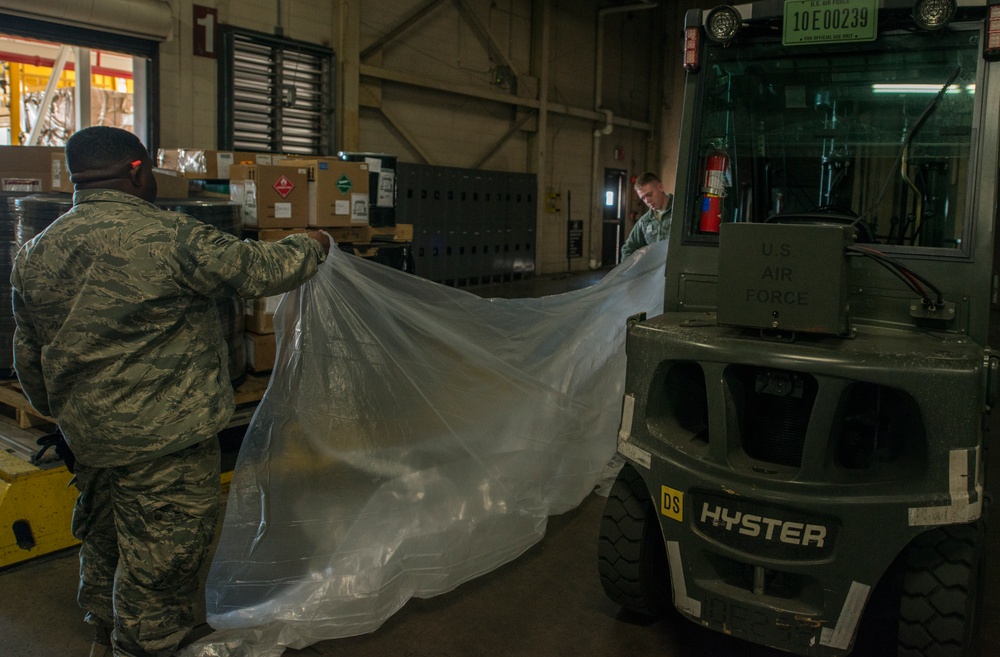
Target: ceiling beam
[401, 27]
[387, 75]
[484, 35]
[406, 135]
[514, 129]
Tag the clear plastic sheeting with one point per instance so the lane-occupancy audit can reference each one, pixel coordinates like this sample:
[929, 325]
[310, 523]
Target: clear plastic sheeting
[413, 437]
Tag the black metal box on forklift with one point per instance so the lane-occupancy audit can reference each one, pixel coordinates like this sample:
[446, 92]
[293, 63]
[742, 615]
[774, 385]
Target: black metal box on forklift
[784, 277]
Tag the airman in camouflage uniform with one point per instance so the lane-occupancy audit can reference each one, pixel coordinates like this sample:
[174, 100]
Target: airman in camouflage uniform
[654, 226]
[118, 339]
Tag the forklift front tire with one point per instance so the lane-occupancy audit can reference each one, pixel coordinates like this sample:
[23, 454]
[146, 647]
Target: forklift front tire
[632, 558]
[938, 602]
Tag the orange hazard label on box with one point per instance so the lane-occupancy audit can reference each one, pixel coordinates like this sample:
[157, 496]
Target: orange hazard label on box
[283, 186]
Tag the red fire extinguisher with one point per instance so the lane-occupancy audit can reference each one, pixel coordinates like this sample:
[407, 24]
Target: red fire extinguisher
[714, 190]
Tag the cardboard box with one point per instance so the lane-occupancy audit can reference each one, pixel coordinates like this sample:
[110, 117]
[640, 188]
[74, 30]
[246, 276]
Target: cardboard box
[271, 196]
[247, 157]
[373, 234]
[338, 192]
[260, 314]
[261, 351]
[327, 212]
[60, 173]
[273, 234]
[171, 184]
[27, 168]
[206, 163]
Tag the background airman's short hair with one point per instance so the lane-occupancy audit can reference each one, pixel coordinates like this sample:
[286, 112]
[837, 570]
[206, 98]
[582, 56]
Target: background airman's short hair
[99, 147]
[646, 178]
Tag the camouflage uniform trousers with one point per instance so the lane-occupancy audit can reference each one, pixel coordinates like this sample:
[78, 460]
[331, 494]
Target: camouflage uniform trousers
[146, 530]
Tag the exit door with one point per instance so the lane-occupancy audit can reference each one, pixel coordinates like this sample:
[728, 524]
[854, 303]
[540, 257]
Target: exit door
[613, 215]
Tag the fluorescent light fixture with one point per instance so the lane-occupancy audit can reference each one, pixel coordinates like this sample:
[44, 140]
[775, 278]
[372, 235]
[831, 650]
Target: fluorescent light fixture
[920, 88]
[609, 198]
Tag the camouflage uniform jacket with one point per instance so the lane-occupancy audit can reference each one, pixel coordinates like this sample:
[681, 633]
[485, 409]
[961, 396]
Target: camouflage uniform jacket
[117, 335]
[652, 227]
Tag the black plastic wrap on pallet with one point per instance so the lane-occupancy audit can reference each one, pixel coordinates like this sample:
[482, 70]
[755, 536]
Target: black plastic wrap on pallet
[22, 216]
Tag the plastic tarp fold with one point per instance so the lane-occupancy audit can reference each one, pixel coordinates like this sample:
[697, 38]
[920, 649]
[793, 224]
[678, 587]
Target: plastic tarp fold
[412, 437]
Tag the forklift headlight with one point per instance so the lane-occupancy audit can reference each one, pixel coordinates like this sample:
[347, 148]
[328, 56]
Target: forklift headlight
[723, 23]
[933, 14]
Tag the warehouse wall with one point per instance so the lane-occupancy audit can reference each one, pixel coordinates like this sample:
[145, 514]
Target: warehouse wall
[560, 88]
[188, 82]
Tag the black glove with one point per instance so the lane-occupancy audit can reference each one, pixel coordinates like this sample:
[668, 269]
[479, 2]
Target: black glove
[63, 451]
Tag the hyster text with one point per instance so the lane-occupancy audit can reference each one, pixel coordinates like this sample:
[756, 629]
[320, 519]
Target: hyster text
[770, 529]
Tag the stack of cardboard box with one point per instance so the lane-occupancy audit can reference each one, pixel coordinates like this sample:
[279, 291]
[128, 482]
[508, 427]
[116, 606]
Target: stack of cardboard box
[278, 194]
[259, 335]
[271, 196]
[274, 203]
[32, 169]
[42, 169]
[289, 196]
[206, 164]
[281, 191]
[337, 191]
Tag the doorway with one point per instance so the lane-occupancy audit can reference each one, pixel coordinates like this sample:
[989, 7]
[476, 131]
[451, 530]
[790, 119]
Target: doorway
[55, 79]
[613, 215]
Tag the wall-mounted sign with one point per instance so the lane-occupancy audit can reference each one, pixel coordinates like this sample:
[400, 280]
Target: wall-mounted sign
[206, 23]
[574, 239]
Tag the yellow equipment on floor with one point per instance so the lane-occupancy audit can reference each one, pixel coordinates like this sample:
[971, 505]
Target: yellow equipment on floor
[36, 507]
[36, 501]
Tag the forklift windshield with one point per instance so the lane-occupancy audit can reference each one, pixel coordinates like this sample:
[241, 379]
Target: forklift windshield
[877, 134]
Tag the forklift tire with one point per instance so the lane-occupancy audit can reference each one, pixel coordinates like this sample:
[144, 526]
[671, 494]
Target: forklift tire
[632, 557]
[939, 595]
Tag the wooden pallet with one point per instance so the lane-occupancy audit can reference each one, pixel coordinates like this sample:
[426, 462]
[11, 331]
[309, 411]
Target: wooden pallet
[15, 405]
[251, 390]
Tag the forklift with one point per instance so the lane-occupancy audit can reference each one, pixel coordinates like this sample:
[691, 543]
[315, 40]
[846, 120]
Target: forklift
[803, 426]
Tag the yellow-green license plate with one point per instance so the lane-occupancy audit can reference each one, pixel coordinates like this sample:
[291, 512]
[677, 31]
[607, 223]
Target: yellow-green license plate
[810, 22]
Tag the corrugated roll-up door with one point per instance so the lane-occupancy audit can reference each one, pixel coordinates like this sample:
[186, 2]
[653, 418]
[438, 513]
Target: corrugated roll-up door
[147, 19]
[254, 79]
[277, 95]
[302, 115]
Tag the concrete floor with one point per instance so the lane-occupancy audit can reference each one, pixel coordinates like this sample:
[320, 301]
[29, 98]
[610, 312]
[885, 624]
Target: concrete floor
[547, 603]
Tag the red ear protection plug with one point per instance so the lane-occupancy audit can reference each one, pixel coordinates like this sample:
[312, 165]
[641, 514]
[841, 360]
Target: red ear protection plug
[135, 164]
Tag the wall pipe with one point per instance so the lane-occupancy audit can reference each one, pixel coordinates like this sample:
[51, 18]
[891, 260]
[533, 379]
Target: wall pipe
[595, 200]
